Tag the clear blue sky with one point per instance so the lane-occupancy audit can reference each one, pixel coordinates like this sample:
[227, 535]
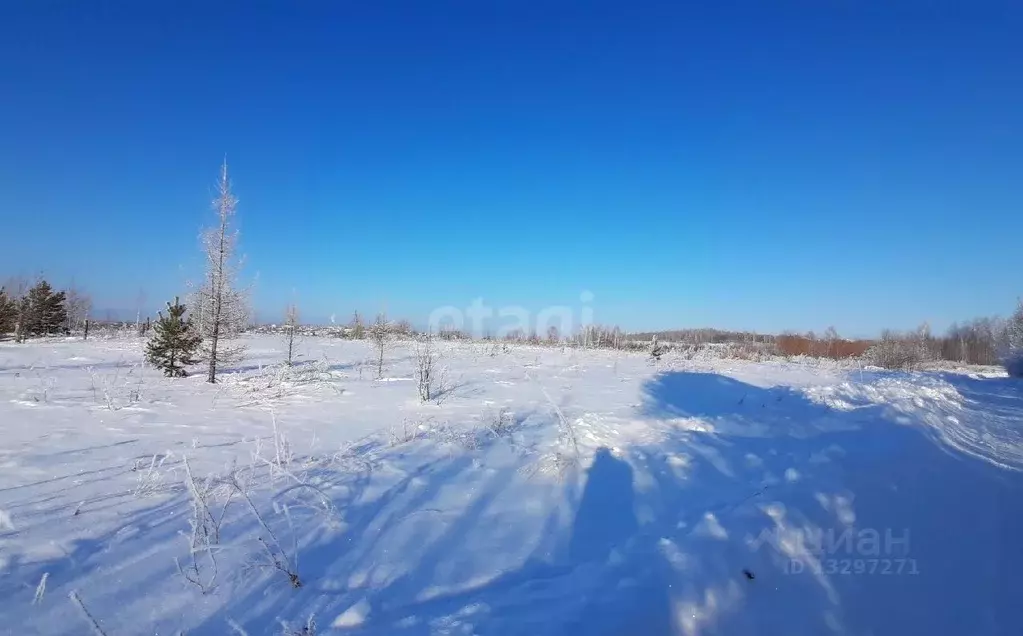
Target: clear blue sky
[761, 165]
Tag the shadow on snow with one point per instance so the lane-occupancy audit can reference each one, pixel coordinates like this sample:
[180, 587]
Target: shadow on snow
[708, 530]
[737, 528]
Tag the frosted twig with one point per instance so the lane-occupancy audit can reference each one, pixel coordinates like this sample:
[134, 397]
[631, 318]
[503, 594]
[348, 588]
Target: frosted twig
[40, 589]
[561, 416]
[278, 556]
[205, 531]
[77, 600]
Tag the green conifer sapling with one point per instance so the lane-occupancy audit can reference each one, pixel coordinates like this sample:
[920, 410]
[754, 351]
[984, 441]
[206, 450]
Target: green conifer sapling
[174, 342]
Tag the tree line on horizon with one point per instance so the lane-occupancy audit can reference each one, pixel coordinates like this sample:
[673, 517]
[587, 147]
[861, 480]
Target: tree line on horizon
[40, 310]
[216, 311]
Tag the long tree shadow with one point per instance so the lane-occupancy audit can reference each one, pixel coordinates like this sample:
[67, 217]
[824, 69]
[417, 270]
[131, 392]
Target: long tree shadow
[144, 531]
[732, 521]
[46, 368]
[553, 591]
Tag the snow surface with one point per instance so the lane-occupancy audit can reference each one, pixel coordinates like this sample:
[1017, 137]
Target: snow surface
[551, 491]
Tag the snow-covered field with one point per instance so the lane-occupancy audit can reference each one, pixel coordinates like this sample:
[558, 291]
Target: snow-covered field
[549, 492]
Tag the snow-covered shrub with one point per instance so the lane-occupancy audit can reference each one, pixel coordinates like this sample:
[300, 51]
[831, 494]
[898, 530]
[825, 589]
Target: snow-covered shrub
[276, 381]
[426, 368]
[470, 438]
[1014, 364]
[408, 431]
[1012, 344]
[118, 391]
[750, 350]
[898, 352]
[148, 474]
[500, 423]
[309, 629]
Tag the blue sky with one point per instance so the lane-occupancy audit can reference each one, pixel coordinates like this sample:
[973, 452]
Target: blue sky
[758, 165]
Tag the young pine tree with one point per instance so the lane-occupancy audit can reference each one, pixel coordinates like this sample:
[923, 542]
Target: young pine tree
[174, 342]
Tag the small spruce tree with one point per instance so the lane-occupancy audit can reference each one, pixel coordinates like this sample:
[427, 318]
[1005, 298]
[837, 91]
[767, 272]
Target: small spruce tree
[55, 313]
[174, 341]
[8, 312]
[44, 311]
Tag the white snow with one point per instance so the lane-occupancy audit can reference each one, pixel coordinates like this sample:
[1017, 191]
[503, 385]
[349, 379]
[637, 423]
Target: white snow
[353, 616]
[550, 491]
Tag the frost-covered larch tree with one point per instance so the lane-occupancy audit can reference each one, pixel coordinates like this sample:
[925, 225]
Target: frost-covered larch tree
[222, 308]
[378, 333]
[290, 325]
[78, 306]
